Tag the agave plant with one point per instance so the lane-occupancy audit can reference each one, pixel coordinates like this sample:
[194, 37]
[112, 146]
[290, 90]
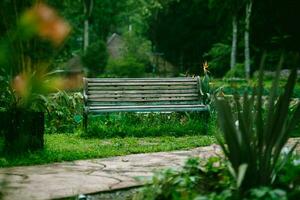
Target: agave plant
[253, 137]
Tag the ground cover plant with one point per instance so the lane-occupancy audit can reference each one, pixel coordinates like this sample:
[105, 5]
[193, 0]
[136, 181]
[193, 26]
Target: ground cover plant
[212, 180]
[149, 125]
[232, 86]
[255, 164]
[63, 112]
[68, 147]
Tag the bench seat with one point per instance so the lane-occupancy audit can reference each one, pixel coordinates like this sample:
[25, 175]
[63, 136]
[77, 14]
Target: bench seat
[106, 95]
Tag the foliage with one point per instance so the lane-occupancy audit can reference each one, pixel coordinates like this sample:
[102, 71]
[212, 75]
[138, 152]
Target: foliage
[125, 67]
[265, 193]
[25, 42]
[212, 180]
[64, 112]
[106, 18]
[137, 47]
[254, 142]
[6, 97]
[195, 177]
[95, 58]
[240, 86]
[205, 85]
[237, 72]
[218, 57]
[69, 147]
[148, 125]
[182, 37]
[288, 177]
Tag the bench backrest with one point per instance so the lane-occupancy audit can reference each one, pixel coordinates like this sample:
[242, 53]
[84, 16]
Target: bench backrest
[137, 91]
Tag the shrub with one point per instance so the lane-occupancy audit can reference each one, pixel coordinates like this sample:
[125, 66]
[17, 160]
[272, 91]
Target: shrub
[137, 47]
[64, 112]
[288, 177]
[218, 57]
[267, 193]
[237, 72]
[95, 58]
[195, 178]
[125, 67]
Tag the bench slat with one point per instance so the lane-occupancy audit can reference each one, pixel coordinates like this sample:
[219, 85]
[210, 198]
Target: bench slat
[149, 87]
[148, 106]
[144, 99]
[186, 91]
[112, 103]
[97, 96]
[101, 109]
[141, 83]
[183, 79]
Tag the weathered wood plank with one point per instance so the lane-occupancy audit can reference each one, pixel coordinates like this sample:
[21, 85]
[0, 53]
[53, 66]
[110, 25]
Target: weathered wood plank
[149, 108]
[183, 79]
[153, 103]
[149, 87]
[137, 95]
[141, 83]
[143, 99]
[185, 91]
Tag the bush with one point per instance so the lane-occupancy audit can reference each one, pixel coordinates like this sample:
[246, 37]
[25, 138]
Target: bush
[218, 57]
[237, 72]
[126, 67]
[137, 47]
[195, 178]
[95, 58]
[213, 180]
[64, 112]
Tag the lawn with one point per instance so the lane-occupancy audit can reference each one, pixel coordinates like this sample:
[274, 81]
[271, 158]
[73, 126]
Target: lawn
[68, 147]
[231, 87]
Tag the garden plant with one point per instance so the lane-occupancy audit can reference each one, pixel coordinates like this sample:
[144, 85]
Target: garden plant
[25, 76]
[252, 139]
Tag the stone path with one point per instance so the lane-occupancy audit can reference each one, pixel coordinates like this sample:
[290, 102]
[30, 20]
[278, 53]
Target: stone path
[66, 179]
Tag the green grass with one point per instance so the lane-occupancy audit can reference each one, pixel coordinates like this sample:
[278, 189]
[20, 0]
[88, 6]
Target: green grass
[64, 147]
[148, 125]
[230, 87]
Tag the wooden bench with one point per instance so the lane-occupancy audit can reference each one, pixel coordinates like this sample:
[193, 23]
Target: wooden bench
[104, 95]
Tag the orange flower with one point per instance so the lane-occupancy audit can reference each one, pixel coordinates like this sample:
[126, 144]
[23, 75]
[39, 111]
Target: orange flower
[46, 23]
[20, 85]
[205, 67]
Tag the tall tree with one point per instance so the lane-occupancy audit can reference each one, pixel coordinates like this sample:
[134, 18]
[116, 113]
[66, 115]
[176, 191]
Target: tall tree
[234, 7]
[246, 38]
[184, 31]
[87, 9]
[234, 42]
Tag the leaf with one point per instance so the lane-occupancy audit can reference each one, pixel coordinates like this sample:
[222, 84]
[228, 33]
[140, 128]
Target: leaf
[271, 102]
[259, 118]
[241, 174]
[228, 128]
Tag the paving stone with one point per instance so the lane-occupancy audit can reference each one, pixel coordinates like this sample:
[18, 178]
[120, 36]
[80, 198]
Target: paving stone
[67, 179]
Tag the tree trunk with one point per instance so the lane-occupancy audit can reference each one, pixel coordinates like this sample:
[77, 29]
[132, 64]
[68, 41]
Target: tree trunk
[86, 35]
[234, 42]
[246, 36]
[87, 10]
